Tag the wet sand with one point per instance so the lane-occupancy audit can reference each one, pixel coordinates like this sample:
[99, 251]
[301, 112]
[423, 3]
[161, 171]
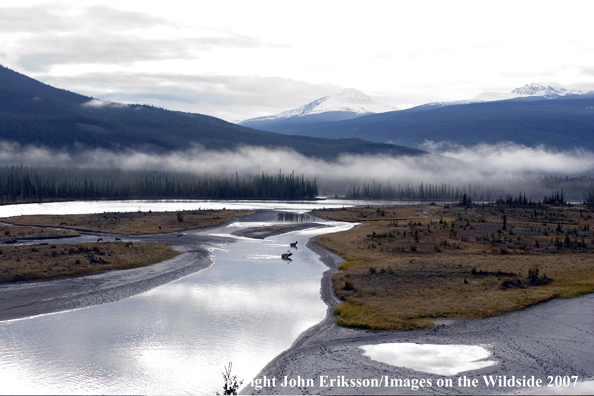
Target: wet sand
[555, 338]
[25, 299]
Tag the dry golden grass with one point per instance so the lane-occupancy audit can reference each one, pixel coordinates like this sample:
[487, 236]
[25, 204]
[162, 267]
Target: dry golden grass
[8, 232]
[404, 269]
[32, 262]
[135, 223]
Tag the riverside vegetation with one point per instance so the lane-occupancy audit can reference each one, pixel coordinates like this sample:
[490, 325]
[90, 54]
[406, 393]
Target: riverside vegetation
[133, 223]
[409, 267]
[45, 261]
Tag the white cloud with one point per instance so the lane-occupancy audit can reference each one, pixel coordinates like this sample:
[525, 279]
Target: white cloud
[227, 97]
[502, 168]
[406, 53]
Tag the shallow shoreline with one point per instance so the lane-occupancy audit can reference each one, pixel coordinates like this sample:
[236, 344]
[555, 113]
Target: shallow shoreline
[553, 338]
[549, 339]
[21, 300]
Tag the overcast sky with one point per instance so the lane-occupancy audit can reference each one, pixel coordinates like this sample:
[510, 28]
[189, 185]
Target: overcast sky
[241, 59]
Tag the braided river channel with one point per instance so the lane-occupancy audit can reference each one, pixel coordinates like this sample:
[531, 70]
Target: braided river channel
[245, 308]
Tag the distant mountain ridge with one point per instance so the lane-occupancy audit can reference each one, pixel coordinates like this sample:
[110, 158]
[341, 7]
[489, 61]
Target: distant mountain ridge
[33, 113]
[348, 104]
[539, 90]
[564, 123]
[551, 90]
[536, 114]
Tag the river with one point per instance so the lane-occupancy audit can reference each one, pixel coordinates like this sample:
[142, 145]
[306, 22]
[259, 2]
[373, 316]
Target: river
[175, 339]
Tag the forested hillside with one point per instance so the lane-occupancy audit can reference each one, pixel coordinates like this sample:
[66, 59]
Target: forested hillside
[34, 113]
[566, 123]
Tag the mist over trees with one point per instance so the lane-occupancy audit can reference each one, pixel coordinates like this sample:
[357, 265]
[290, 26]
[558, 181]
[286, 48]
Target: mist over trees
[39, 183]
[536, 189]
[24, 183]
[33, 113]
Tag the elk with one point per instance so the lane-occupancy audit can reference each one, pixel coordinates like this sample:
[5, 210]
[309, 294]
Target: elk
[100, 240]
[286, 256]
[294, 244]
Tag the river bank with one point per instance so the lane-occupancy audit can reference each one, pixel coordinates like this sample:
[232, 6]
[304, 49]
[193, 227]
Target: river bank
[554, 338]
[247, 307]
[26, 299]
[548, 341]
[31, 298]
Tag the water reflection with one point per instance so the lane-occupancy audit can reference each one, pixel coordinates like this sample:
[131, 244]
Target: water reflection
[435, 359]
[295, 217]
[175, 339]
[82, 207]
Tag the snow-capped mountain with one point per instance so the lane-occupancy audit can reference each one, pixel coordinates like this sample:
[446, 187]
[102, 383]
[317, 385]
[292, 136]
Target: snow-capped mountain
[549, 90]
[540, 89]
[350, 103]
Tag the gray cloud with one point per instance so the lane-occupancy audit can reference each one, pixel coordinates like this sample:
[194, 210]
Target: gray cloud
[60, 19]
[587, 70]
[31, 20]
[42, 52]
[102, 35]
[227, 97]
[58, 35]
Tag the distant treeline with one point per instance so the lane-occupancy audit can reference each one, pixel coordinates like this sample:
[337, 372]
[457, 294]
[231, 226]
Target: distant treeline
[555, 198]
[405, 192]
[24, 183]
[580, 188]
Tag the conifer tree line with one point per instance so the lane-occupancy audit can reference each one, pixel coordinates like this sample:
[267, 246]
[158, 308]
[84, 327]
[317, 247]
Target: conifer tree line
[25, 183]
[581, 189]
[423, 191]
[555, 198]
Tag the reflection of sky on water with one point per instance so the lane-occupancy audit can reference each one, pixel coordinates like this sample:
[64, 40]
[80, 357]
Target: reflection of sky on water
[435, 359]
[295, 217]
[80, 207]
[175, 339]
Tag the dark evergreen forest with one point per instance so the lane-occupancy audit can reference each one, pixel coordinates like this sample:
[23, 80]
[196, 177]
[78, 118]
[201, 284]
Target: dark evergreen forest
[579, 188]
[24, 183]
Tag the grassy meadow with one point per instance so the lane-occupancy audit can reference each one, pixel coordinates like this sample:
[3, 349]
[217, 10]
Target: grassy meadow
[133, 223]
[45, 262]
[8, 232]
[408, 266]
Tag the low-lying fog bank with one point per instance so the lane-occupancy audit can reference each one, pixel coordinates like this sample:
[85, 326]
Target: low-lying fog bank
[484, 171]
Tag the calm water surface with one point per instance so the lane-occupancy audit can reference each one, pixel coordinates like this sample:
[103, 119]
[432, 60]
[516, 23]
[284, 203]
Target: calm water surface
[431, 358]
[175, 339]
[80, 207]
